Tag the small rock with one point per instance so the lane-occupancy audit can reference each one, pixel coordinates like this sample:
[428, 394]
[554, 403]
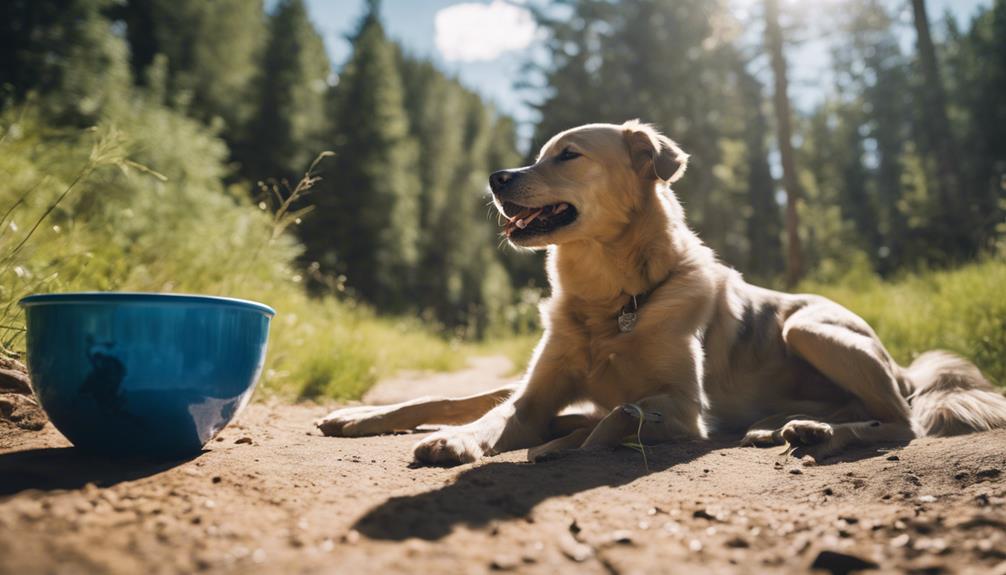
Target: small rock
[987, 473]
[217, 479]
[936, 545]
[504, 563]
[851, 520]
[893, 458]
[573, 549]
[352, 537]
[15, 380]
[703, 514]
[737, 543]
[622, 537]
[243, 440]
[795, 471]
[841, 563]
[926, 499]
[900, 541]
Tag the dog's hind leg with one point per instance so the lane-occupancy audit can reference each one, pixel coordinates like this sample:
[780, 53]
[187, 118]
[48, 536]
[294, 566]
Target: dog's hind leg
[377, 419]
[845, 350]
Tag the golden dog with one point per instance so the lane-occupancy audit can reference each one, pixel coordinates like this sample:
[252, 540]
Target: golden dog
[646, 326]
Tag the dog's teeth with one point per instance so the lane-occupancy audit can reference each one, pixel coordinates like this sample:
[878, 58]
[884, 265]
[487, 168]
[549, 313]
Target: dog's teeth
[521, 224]
[527, 220]
[561, 208]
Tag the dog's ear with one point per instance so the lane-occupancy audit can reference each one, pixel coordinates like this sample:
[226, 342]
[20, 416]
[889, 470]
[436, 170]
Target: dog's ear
[654, 155]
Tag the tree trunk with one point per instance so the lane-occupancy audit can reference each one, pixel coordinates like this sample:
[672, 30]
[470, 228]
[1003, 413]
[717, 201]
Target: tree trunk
[941, 138]
[784, 133]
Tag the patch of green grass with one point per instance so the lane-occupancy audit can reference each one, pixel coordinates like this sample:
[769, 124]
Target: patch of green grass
[961, 310]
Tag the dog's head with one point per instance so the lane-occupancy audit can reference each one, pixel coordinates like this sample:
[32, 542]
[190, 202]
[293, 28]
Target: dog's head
[586, 184]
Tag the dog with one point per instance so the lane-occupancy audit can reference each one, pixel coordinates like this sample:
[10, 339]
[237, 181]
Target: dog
[662, 341]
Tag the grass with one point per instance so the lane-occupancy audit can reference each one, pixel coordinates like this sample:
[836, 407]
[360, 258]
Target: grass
[81, 211]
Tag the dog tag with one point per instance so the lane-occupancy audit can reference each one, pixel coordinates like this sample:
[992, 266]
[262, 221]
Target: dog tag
[627, 321]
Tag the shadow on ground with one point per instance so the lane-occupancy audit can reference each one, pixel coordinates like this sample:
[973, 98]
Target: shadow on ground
[507, 490]
[69, 468]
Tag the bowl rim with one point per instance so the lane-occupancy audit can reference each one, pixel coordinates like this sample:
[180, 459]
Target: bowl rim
[114, 297]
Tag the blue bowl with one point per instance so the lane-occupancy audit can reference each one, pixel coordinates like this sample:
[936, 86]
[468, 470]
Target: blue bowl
[155, 375]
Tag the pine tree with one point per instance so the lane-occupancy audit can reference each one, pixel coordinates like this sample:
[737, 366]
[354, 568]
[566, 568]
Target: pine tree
[288, 126]
[764, 228]
[780, 98]
[212, 49]
[940, 141]
[366, 225]
[977, 66]
[65, 51]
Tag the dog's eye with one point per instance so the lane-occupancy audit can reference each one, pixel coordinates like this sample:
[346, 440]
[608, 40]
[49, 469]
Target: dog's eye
[567, 155]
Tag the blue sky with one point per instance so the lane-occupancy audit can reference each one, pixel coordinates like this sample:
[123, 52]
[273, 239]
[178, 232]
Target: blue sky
[486, 42]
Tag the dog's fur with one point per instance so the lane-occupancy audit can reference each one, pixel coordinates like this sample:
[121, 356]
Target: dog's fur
[709, 354]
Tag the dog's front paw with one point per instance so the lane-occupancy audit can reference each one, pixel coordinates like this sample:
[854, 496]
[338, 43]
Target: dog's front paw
[448, 447]
[354, 422]
[803, 432]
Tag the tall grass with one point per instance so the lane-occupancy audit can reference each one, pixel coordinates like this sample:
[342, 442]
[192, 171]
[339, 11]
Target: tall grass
[83, 211]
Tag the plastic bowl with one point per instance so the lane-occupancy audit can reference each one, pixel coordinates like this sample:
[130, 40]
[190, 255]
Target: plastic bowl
[155, 375]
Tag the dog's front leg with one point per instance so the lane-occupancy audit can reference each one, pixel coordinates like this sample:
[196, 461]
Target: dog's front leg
[518, 423]
[654, 419]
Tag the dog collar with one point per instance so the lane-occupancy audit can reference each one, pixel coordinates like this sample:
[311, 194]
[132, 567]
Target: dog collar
[629, 314]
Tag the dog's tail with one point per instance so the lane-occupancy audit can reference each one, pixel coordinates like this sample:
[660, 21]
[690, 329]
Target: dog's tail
[952, 397]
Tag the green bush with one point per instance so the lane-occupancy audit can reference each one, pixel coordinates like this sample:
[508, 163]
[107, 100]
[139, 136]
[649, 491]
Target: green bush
[142, 206]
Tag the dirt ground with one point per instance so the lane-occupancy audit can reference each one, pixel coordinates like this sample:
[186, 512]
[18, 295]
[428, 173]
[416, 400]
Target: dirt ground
[271, 495]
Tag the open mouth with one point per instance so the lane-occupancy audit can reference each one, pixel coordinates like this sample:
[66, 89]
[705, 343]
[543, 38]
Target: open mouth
[523, 221]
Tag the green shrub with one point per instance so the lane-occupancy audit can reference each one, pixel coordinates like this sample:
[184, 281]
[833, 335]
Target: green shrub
[142, 206]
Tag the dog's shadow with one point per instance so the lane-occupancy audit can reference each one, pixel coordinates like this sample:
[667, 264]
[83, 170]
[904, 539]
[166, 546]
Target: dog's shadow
[52, 468]
[508, 490]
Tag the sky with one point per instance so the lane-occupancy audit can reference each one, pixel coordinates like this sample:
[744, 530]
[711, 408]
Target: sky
[485, 43]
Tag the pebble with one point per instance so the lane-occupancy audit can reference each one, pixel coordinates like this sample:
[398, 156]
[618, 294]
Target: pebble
[737, 543]
[900, 541]
[835, 562]
[504, 563]
[622, 537]
[243, 440]
[573, 549]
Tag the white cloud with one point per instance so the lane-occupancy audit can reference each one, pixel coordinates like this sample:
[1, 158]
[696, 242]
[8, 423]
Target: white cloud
[473, 31]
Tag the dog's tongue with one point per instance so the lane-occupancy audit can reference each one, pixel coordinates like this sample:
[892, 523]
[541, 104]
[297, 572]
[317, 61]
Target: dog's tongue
[528, 215]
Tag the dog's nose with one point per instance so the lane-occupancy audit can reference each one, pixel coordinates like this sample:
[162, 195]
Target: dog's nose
[499, 179]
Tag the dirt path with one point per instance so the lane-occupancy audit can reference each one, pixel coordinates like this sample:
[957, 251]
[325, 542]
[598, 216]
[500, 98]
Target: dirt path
[273, 496]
